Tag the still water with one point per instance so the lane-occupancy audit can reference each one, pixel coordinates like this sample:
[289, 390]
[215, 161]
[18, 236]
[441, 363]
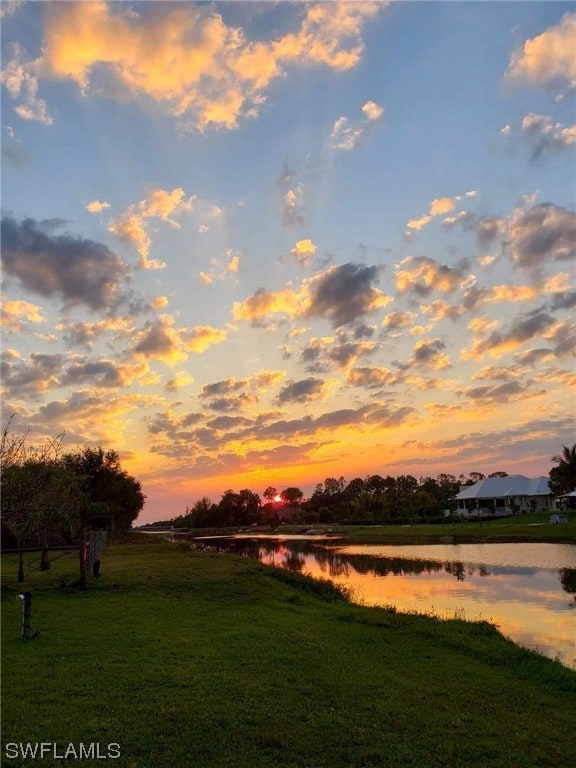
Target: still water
[527, 590]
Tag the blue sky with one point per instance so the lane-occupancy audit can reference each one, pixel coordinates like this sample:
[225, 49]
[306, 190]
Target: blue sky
[258, 243]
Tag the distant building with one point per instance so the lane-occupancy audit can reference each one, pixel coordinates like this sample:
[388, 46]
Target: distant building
[505, 495]
[568, 500]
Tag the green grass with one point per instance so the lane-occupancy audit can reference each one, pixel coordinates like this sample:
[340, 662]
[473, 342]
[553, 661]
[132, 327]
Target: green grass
[199, 660]
[528, 527]
[507, 529]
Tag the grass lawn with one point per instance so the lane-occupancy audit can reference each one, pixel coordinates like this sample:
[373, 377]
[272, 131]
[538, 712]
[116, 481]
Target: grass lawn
[528, 527]
[524, 528]
[199, 660]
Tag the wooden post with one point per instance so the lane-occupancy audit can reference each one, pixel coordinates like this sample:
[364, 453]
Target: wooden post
[84, 566]
[26, 632]
[21, 568]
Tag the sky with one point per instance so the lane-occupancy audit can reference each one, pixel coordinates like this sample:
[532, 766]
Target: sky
[265, 243]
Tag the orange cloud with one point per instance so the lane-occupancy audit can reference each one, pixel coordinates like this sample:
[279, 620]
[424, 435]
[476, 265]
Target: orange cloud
[162, 341]
[160, 204]
[303, 251]
[203, 336]
[188, 59]
[438, 206]
[13, 312]
[96, 206]
[264, 303]
[425, 275]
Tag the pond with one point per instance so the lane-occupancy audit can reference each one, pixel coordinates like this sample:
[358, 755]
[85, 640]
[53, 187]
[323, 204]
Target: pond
[527, 590]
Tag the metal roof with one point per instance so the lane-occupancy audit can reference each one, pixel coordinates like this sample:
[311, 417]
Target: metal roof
[513, 485]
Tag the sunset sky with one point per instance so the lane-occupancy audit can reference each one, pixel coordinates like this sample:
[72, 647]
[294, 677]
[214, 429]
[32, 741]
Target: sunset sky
[265, 243]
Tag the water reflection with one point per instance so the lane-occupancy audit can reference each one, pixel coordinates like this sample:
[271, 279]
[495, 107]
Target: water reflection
[526, 589]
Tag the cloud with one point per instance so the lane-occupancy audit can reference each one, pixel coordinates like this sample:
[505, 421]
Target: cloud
[201, 337]
[102, 373]
[533, 357]
[429, 354]
[81, 272]
[181, 379]
[546, 135]
[439, 310]
[265, 379]
[497, 343]
[13, 149]
[9, 8]
[438, 207]
[344, 294]
[397, 320]
[372, 110]
[187, 59]
[293, 202]
[223, 387]
[40, 374]
[160, 340]
[264, 303]
[13, 313]
[160, 204]
[547, 59]
[422, 275]
[302, 391]
[499, 393]
[341, 294]
[21, 81]
[84, 334]
[321, 353]
[159, 302]
[542, 234]
[96, 206]
[344, 137]
[489, 228]
[563, 336]
[303, 252]
[244, 400]
[222, 269]
[490, 372]
[371, 378]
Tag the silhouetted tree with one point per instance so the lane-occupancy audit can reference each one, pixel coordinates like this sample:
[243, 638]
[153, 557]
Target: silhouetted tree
[563, 476]
[104, 481]
[292, 496]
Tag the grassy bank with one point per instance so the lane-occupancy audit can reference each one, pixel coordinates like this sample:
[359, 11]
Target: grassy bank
[503, 530]
[524, 528]
[199, 660]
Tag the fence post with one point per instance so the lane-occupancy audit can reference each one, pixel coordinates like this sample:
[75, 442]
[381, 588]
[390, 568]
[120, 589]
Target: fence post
[21, 568]
[26, 632]
[84, 566]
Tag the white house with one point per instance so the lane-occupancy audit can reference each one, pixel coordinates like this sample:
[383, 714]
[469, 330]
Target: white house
[505, 495]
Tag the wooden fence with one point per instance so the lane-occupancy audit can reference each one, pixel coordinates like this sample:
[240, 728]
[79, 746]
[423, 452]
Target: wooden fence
[89, 555]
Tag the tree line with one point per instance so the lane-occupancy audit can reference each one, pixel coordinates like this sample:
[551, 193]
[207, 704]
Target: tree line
[374, 499]
[51, 497]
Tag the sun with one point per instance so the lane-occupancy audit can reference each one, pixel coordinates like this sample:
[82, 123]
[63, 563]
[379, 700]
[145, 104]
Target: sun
[277, 498]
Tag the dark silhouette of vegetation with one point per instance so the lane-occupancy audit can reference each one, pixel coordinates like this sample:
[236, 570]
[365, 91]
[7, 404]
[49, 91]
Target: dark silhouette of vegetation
[50, 497]
[563, 476]
[371, 500]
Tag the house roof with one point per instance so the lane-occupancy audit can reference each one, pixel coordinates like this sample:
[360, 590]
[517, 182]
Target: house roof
[512, 485]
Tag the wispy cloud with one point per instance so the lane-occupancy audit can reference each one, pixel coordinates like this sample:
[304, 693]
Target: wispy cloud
[345, 136]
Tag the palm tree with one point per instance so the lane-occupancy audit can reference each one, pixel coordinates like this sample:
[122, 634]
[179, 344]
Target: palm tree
[563, 476]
